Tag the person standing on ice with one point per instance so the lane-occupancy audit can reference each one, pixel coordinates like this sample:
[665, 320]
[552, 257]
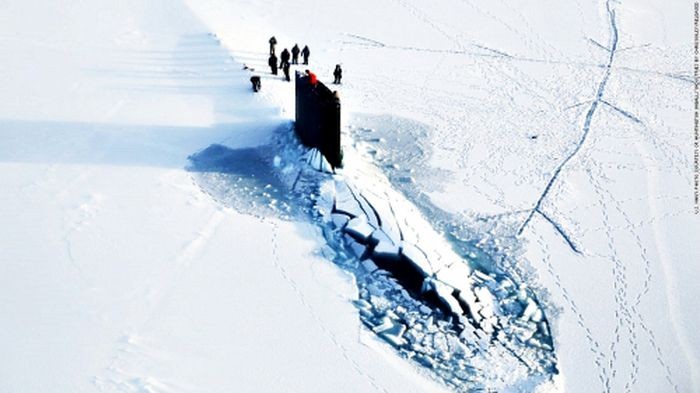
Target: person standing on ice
[285, 69]
[273, 42]
[284, 58]
[255, 80]
[272, 62]
[295, 54]
[337, 74]
[305, 53]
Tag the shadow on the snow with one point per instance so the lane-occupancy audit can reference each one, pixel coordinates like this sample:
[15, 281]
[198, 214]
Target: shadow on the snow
[243, 179]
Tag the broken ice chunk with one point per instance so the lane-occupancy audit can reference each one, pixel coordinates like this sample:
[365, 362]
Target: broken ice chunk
[394, 334]
[456, 276]
[529, 311]
[482, 277]
[523, 331]
[379, 236]
[386, 251]
[359, 229]
[489, 324]
[469, 299]
[357, 248]
[390, 329]
[364, 308]
[485, 297]
[486, 311]
[325, 198]
[384, 323]
[362, 304]
[339, 220]
[368, 209]
[444, 293]
[318, 161]
[483, 338]
[383, 209]
[345, 200]
[369, 266]
[522, 295]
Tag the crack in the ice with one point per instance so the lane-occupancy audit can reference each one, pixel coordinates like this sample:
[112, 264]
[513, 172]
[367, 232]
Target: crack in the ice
[496, 51]
[561, 231]
[354, 195]
[498, 54]
[634, 47]
[393, 213]
[296, 180]
[599, 45]
[576, 105]
[622, 112]
[376, 214]
[681, 76]
[586, 126]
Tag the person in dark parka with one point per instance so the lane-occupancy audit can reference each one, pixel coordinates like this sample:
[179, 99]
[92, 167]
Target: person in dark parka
[295, 54]
[284, 58]
[285, 69]
[337, 74]
[272, 62]
[273, 42]
[305, 53]
[255, 80]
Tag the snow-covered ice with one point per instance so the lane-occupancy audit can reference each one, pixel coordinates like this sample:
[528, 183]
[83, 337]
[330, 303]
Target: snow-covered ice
[117, 271]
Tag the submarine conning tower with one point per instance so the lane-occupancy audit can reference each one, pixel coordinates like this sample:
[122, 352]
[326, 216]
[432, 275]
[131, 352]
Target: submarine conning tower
[318, 118]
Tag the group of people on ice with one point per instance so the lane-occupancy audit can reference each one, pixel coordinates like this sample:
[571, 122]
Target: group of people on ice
[305, 53]
[286, 59]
